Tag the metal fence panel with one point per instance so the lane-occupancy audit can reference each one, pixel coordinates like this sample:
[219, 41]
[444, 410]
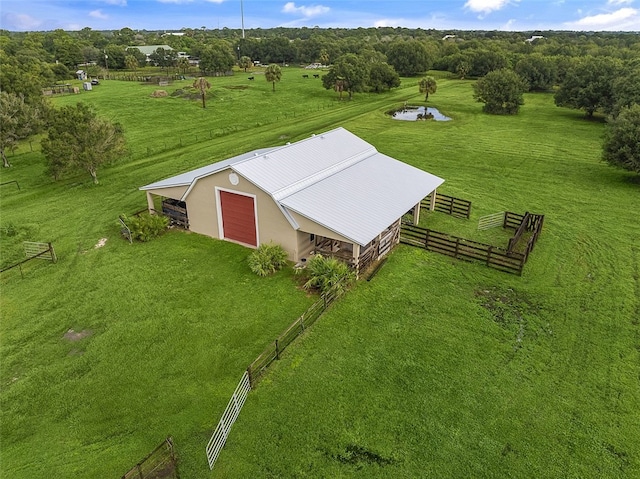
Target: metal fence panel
[219, 437]
[491, 221]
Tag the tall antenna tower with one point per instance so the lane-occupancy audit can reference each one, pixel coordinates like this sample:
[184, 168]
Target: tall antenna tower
[242, 16]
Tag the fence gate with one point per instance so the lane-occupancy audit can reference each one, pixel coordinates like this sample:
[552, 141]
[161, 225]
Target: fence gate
[39, 250]
[491, 221]
[219, 438]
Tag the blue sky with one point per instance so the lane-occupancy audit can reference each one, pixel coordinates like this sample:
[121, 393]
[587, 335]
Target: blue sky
[517, 15]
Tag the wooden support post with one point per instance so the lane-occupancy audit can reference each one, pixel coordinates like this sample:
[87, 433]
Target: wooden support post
[416, 214]
[432, 204]
[150, 204]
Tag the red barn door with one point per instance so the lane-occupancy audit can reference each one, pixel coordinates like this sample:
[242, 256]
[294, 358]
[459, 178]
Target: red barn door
[238, 217]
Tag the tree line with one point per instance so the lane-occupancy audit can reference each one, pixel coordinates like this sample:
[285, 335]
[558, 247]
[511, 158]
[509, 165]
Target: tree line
[595, 72]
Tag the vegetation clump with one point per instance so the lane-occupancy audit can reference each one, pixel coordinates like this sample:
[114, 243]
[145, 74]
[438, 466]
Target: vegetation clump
[501, 91]
[622, 140]
[145, 227]
[267, 259]
[324, 274]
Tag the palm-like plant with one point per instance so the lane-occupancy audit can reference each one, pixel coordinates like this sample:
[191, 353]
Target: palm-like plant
[273, 73]
[203, 85]
[131, 63]
[428, 85]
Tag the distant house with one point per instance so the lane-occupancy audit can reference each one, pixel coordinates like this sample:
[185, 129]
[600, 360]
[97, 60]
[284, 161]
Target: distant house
[81, 75]
[534, 38]
[333, 193]
[149, 49]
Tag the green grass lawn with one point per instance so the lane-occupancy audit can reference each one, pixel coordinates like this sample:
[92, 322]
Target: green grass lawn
[435, 368]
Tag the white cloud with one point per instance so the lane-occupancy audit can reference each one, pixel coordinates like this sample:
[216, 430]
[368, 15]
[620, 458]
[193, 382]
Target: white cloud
[310, 11]
[619, 2]
[623, 19]
[117, 3]
[20, 21]
[98, 14]
[214, 1]
[487, 6]
[175, 1]
[510, 25]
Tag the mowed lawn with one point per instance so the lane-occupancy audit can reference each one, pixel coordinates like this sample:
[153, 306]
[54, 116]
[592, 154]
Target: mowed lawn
[434, 368]
[439, 368]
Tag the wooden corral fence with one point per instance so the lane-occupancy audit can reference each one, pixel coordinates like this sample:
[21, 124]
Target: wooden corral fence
[161, 463]
[528, 223]
[449, 204]
[461, 248]
[231, 413]
[33, 250]
[176, 211]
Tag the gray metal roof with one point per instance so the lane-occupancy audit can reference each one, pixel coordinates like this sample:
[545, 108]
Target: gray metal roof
[335, 179]
[362, 200]
[192, 176]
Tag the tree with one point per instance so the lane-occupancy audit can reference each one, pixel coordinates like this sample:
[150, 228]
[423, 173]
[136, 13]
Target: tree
[427, 85]
[216, 58]
[409, 57]
[621, 145]
[183, 64]
[588, 85]
[501, 91]
[626, 89]
[203, 85]
[350, 72]
[79, 139]
[164, 58]
[131, 62]
[382, 77]
[245, 62]
[539, 71]
[273, 73]
[19, 121]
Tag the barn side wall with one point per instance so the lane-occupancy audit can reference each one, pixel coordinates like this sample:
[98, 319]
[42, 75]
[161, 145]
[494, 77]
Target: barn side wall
[272, 224]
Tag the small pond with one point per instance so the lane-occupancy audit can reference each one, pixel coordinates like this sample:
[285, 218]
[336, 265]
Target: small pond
[413, 113]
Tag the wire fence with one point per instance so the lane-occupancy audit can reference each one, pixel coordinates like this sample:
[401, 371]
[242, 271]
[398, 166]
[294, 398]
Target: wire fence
[258, 367]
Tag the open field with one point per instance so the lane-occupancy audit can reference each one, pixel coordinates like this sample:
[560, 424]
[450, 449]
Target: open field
[435, 368]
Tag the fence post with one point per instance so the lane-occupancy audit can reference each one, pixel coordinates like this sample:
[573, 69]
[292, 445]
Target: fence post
[426, 240]
[139, 471]
[250, 377]
[457, 246]
[489, 255]
[53, 254]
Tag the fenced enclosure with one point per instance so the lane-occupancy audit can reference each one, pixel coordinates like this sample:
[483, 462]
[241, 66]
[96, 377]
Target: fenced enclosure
[491, 221]
[528, 223]
[231, 413]
[508, 259]
[449, 204]
[461, 248]
[161, 463]
[34, 250]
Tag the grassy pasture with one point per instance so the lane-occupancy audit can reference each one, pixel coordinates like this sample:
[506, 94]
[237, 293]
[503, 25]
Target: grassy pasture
[435, 368]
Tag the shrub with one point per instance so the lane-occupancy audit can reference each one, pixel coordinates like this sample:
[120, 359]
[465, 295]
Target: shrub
[145, 227]
[327, 273]
[267, 259]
